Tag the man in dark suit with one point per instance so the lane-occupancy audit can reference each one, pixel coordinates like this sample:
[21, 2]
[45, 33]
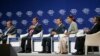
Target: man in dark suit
[79, 46]
[33, 29]
[46, 42]
[9, 30]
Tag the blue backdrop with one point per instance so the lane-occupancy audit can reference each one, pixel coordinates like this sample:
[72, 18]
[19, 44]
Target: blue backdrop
[22, 12]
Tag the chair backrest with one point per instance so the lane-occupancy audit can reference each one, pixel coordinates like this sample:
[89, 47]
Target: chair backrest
[23, 35]
[80, 33]
[12, 36]
[40, 34]
[93, 39]
[46, 35]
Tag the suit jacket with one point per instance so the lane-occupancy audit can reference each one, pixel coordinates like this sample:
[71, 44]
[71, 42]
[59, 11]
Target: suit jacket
[95, 29]
[60, 29]
[11, 31]
[37, 29]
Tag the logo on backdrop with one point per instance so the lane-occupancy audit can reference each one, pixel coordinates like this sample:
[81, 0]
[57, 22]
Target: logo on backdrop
[86, 11]
[50, 12]
[80, 20]
[50, 29]
[24, 22]
[97, 10]
[19, 31]
[19, 13]
[29, 13]
[66, 20]
[3, 23]
[73, 11]
[40, 13]
[9, 14]
[45, 21]
[90, 20]
[14, 22]
[62, 11]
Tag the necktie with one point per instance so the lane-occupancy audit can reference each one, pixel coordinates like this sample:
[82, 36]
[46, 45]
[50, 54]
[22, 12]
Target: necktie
[30, 32]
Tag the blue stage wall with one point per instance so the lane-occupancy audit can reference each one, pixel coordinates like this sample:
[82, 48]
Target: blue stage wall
[22, 12]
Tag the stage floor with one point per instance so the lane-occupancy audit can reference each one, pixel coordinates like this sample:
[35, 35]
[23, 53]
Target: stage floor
[44, 54]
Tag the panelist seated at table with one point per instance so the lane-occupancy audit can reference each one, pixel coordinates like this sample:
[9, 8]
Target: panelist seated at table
[46, 42]
[73, 29]
[79, 44]
[9, 30]
[33, 29]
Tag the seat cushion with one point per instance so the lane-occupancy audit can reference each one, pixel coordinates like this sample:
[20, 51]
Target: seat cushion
[13, 39]
[37, 39]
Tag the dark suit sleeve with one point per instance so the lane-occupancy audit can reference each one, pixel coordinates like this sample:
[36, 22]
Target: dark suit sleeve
[61, 29]
[37, 29]
[95, 29]
[13, 31]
